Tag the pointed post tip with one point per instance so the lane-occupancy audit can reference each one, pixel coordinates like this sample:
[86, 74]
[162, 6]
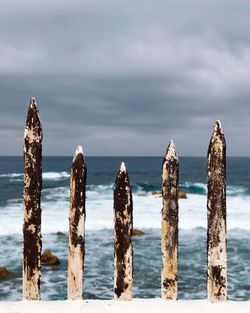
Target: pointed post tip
[218, 127]
[123, 167]
[79, 150]
[33, 121]
[171, 151]
[171, 143]
[33, 104]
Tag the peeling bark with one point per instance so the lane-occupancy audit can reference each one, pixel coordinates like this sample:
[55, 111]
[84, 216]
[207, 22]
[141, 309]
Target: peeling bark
[169, 244]
[77, 226]
[216, 214]
[123, 219]
[32, 204]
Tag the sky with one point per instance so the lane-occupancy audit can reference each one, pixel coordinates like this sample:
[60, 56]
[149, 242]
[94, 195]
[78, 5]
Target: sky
[123, 77]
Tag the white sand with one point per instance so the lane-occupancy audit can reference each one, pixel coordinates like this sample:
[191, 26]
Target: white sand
[134, 306]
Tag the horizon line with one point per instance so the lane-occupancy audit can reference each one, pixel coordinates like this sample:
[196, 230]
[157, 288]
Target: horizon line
[127, 156]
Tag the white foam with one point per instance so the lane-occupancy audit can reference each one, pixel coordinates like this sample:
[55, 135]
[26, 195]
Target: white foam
[231, 190]
[99, 211]
[11, 175]
[55, 175]
[45, 175]
[236, 190]
[197, 186]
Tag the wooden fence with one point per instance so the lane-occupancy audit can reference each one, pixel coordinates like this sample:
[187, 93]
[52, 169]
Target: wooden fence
[123, 220]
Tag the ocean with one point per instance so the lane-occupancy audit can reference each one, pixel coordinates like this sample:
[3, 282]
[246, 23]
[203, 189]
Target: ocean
[145, 177]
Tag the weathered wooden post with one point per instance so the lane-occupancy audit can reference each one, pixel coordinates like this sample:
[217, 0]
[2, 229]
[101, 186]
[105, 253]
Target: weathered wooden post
[77, 226]
[169, 243]
[123, 251]
[216, 214]
[32, 243]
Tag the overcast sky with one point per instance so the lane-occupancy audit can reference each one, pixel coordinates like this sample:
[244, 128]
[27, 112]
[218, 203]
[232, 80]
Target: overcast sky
[123, 77]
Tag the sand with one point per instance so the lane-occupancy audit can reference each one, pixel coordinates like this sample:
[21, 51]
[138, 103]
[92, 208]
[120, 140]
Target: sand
[134, 306]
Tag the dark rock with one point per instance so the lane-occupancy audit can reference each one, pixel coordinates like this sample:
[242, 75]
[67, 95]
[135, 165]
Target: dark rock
[60, 234]
[48, 258]
[5, 273]
[141, 194]
[157, 193]
[137, 232]
[182, 194]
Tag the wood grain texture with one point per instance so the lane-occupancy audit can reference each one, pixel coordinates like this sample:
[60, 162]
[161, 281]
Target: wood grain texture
[32, 243]
[77, 217]
[216, 215]
[169, 244]
[123, 251]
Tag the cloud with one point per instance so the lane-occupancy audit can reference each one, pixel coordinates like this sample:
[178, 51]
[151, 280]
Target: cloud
[123, 77]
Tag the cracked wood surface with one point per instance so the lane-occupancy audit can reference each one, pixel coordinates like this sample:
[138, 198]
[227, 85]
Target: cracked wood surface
[169, 243]
[77, 226]
[32, 243]
[123, 220]
[216, 215]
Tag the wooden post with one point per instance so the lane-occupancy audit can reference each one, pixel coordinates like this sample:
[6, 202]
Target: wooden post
[123, 220]
[32, 243]
[77, 226]
[169, 243]
[216, 214]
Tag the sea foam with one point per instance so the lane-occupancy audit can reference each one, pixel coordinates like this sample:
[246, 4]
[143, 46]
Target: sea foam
[46, 175]
[99, 210]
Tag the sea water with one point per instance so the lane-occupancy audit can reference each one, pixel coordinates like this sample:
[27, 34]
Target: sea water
[145, 178]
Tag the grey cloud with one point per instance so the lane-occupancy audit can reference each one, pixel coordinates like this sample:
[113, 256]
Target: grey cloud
[123, 77]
